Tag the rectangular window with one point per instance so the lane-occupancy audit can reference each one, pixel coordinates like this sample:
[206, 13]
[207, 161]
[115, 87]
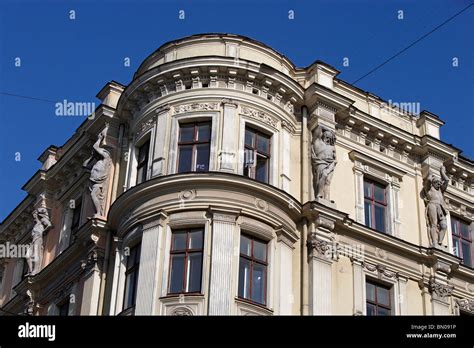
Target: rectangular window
[131, 276]
[253, 266]
[375, 205]
[142, 165]
[76, 215]
[186, 261]
[378, 299]
[194, 147]
[462, 240]
[257, 155]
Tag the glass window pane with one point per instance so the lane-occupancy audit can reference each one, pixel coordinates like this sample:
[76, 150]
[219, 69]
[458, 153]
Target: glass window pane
[185, 158]
[186, 132]
[456, 249]
[379, 194]
[379, 218]
[244, 278]
[194, 272]
[466, 253]
[140, 175]
[249, 137]
[263, 144]
[138, 249]
[465, 231]
[177, 272]
[258, 283]
[202, 158]
[261, 173]
[245, 246]
[143, 152]
[367, 189]
[179, 241]
[368, 213]
[370, 309]
[195, 239]
[260, 250]
[383, 296]
[382, 311]
[370, 291]
[454, 226]
[130, 286]
[204, 132]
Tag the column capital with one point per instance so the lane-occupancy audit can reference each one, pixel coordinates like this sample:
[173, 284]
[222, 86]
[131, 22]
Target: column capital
[224, 215]
[286, 236]
[229, 103]
[162, 109]
[157, 219]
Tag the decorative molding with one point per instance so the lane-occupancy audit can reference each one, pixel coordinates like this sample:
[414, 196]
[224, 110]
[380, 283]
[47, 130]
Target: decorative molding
[465, 304]
[441, 290]
[181, 312]
[259, 115]
[324, 222]
[180, 109]
[187, 195]
[318, 247]
[260, 204]
[381, 270]
[223, 218]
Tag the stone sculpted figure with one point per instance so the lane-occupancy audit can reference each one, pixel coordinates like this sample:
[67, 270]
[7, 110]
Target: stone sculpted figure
[34, 253]
[99, 172]
[436, 209]
[323, 160]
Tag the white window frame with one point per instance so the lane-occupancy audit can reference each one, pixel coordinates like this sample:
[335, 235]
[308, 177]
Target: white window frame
[133, 157]
[131, 239]
[391, 177]
[273, 171]
[176, 224]
[68, 213]
[265, 233]
[191, 117]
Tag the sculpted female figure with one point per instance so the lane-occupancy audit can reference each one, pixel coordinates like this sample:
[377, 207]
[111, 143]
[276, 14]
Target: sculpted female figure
[34, 253]
[323, 160]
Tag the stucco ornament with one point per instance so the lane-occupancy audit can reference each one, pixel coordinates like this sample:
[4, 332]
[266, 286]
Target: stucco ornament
[99, 163]
[34, 253]
[323, 160]
[436, 209]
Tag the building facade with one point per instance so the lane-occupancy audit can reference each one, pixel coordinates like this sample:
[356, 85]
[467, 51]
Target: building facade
[223, 180]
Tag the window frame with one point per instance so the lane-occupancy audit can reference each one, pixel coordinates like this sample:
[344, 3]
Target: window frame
[77, 209]
[251, 172]
[186, 253]
[377, 304]
[373, 203]
[135, 268]
[194, 143]
[253, 260]
[144, 163]
[459, 237]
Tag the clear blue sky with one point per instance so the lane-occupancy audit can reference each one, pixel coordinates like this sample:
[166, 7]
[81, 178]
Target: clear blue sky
[73, 59]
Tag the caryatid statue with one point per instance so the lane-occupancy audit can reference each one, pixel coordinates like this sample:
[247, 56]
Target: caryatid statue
[323, 160]
[99, 173]
[436, 209]
[34, 253]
